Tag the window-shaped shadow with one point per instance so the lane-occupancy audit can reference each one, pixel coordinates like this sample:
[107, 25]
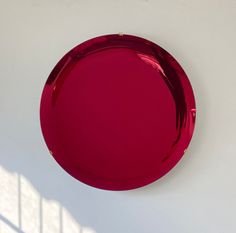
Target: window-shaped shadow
[24, 210]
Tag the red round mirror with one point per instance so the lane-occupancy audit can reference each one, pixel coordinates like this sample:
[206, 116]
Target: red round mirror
[117, 112]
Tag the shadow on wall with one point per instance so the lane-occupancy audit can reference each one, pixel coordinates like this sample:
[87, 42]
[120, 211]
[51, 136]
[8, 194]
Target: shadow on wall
[23, 209]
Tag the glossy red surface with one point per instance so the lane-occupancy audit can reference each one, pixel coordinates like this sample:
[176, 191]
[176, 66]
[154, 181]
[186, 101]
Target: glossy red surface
[117, 112]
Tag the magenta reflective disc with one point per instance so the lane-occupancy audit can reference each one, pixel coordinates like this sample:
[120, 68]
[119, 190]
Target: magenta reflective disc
[117, 112]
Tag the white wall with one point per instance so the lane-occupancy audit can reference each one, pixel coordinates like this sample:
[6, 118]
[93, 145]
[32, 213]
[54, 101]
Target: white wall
[197, 196]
